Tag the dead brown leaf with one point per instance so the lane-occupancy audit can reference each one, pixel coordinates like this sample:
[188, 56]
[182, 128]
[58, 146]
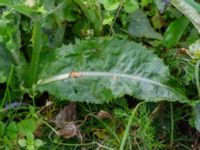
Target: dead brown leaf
[65, 121]
[67, 114]
[69, 130]
[104, 115]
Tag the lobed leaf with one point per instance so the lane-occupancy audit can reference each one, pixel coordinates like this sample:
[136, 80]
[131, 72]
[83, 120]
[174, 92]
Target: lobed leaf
[107, 69]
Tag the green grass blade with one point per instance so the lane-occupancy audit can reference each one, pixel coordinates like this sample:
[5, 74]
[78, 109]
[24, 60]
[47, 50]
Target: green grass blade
[197, 77]
[7, 86]
[37, 46]
[188, 11]
[126, 133]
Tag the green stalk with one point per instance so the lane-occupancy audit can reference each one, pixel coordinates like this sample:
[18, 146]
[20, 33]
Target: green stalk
[116, 16]
[197, 77]
[37, 47]
[7, 86]
[126, 133]
[172, 125]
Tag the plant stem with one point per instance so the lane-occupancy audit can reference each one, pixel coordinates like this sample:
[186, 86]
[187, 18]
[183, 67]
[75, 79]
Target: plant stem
[116, 16]
[197, 77]
[37, 46]
[48, 125]
[7, 86]
[79, 145]
[172, 125]
[126, 133]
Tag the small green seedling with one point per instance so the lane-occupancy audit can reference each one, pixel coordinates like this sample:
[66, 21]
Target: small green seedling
[30, 143]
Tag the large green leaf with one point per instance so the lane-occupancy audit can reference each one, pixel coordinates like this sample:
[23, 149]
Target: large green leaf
[139, 26]
[107, 69]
